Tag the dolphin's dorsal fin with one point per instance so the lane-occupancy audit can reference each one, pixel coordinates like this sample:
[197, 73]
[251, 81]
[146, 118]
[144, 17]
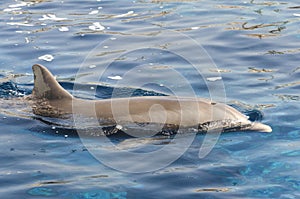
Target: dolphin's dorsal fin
[46, 86]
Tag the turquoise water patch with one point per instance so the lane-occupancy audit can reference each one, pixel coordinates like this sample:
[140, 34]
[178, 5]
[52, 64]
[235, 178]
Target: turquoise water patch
[99, 194]
[42, 191]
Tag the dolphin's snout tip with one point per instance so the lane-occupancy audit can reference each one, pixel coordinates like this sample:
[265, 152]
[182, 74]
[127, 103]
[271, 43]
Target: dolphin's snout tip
[256, 126]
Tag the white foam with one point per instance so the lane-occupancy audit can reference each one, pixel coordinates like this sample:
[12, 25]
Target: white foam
[117, 77]
[93, 12]
[63, 29]
[11, 9]
[19, 24]
[96, 27]
[129, 13]
[46, 57]
[51, 17]
[22, 4]
[213, 79]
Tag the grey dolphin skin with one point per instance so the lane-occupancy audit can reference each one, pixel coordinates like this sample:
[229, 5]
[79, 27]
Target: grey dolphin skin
[52, 100]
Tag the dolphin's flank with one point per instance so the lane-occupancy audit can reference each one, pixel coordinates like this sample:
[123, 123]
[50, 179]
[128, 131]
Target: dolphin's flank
[168, 111]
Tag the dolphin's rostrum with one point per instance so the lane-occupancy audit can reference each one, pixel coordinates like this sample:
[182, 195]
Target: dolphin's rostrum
[167, 111]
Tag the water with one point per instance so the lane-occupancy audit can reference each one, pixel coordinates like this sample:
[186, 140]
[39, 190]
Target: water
[253, 44]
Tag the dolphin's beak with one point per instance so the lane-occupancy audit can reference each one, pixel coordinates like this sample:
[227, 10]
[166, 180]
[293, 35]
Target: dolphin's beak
[256, 126]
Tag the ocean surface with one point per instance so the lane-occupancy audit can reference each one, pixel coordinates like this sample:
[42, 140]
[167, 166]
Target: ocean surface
[243, 53]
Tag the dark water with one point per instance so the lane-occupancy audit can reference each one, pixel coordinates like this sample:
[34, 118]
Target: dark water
[243, 52]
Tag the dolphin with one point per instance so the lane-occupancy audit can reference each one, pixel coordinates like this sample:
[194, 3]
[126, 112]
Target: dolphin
[169, 112]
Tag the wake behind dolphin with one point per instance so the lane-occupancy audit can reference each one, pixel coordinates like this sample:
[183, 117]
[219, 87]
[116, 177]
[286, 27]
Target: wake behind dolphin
[167, 112]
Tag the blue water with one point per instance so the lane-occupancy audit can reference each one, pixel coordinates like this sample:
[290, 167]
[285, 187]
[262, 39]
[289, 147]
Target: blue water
[154, 45]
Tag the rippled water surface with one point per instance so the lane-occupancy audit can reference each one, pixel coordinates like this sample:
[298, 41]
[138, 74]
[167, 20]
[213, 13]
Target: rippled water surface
[243, 52]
